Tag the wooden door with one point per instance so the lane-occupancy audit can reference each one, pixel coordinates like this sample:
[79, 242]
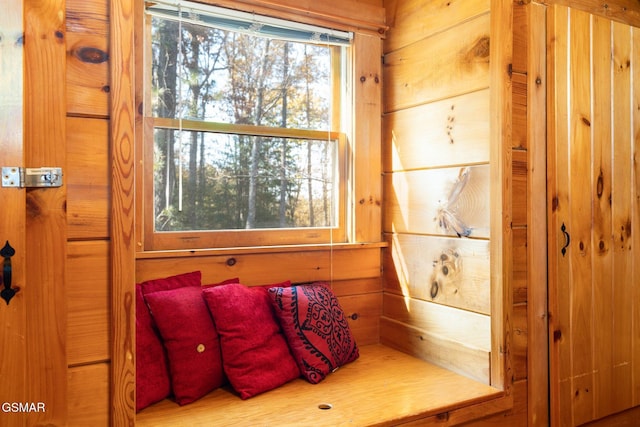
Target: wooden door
[594, 216]
[33, 221]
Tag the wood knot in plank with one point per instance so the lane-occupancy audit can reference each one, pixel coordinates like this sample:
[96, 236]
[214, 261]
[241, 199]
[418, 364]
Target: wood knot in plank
[91, 55]
[481, 48]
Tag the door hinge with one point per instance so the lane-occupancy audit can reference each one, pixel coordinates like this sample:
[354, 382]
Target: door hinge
[19, 177]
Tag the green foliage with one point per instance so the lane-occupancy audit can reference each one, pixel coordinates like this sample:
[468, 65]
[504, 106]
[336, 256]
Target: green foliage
[215, 181]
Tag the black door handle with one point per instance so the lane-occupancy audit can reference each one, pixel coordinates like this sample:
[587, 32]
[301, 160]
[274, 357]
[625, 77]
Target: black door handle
[567, 239]
[7, 292]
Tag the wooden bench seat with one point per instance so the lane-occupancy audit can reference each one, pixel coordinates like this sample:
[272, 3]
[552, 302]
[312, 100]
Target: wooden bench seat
[383, 387]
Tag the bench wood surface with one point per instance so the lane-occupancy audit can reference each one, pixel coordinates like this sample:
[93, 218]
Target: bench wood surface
[383, 387]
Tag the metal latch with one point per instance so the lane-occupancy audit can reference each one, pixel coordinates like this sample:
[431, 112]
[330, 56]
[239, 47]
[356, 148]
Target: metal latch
[31, 177]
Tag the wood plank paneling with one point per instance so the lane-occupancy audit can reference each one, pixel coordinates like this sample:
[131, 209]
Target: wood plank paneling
[363, 313]
[621, 217]
[619, 10]
[521, 33]
[520, 268]
[464, 327]
[46, 230]
[437, 134]
[87, 57]
[412, 20]
[520, 194]
[439, 350]
[88, 301]
[87, 178]
[257, 269]
[13, 364]
[579, 224]
[536, 240]
[450, 63]
[603, 266]
[445, 201]
[593, 193]
[88, 399]
[520, 116]
[454, 272]
[520, 341]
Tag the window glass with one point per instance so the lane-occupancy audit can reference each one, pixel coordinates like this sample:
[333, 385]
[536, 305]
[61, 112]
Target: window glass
[243, 128]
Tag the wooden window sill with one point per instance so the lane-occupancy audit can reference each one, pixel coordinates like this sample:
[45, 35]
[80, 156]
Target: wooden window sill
[257, 250]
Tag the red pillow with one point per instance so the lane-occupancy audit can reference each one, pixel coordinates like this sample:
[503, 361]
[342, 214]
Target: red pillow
[224, 282]
[316, 329]
[178, 281]
[255, 355]
[191, 341]
[152, 371]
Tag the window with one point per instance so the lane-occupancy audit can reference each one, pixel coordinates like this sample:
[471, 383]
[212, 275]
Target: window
[243, 129]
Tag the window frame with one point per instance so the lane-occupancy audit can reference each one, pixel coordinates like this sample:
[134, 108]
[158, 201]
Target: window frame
[342, 100]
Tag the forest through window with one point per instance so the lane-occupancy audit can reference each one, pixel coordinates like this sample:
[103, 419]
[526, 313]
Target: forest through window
[244, 125]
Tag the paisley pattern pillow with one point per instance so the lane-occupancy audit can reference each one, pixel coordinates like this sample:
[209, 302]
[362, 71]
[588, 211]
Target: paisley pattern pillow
[316, 329]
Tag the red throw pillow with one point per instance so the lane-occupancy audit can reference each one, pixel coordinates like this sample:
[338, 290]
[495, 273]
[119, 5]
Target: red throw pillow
[178, 281]
[191, 341]
[316, 329]
[255, 355]
[152, 371]
[224, 282]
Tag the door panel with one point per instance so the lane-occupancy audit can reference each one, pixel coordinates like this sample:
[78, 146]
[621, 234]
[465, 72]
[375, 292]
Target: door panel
[594, 265]
[33, 368]
[12, 220]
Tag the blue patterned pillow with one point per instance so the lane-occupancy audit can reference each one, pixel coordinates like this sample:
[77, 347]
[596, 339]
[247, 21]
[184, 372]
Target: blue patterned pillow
[316, 329]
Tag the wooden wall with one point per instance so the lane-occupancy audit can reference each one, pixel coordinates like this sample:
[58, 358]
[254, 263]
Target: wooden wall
[88, 195]
[436, 183]
[436, 129]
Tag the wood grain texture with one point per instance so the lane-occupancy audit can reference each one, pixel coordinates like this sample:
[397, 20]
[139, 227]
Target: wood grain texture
[621, 216]
[559, 325]
[636, 218]
[413, 20]
[88, 178]
[625, 11]
[297, 265]
[366, 196]
[453, 272]
[520, 193]
[457, 357]
[46, 237]
[593, 195]
[445, 201]
[520, 116]
[123, 248]
[89, 317]
[464, 327]
[453, 130]
[449, 63]
[382, 387]
[501, 238]
[602, 164]
[88, 399]
[12, 223]
[87, 78]
[536, 241]
[350, 15]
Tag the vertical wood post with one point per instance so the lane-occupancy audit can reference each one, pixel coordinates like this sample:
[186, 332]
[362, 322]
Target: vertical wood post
[122, 213]
[46, 236]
